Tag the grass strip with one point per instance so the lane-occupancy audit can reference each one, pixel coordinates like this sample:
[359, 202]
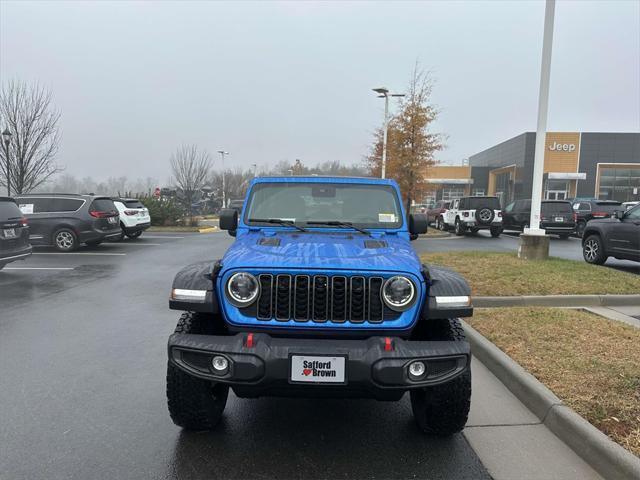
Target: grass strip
[504, 274]
[590, 362]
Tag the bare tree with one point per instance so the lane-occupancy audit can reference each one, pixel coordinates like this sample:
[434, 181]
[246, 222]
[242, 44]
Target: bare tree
[190, 167]
[27, 112]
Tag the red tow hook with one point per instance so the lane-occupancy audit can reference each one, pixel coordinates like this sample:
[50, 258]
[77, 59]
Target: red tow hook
[387, 344]
[249, 342]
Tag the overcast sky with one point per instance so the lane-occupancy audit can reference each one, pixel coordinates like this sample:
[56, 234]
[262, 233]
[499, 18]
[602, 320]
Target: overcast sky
[280, 81]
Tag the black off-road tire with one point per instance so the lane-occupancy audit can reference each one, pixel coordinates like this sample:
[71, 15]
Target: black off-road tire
[443, 409]
[495, 232]
[134, 235]
[459, 229]
[194, 404]
[593, 250]
[485, 215]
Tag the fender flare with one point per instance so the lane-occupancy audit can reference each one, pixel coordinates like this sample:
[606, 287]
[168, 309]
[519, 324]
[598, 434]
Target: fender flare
[443, 285]
[193, 288]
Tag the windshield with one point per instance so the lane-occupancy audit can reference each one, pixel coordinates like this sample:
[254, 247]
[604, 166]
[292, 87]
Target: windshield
[367, 206]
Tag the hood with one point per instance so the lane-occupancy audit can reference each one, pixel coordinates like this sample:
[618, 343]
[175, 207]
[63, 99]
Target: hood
[322, 250]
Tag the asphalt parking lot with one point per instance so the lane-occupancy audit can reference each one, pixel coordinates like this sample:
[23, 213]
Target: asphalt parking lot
[83, 358]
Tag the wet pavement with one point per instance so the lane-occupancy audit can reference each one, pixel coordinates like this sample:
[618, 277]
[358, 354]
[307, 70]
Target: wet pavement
[82, 390]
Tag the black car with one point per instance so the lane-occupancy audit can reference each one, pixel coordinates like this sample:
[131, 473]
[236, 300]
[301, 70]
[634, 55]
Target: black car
[14, 233]
[585, 210]
[556, 216]
[617, 237]
[67, 220]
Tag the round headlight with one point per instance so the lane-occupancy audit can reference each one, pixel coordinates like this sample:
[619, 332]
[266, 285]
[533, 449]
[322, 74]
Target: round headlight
[398, 293]
[242, 289]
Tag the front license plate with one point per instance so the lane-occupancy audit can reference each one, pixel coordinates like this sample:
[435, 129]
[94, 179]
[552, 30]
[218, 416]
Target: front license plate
[559, 219]
[9, 233]
[112, 220]
[317, 369]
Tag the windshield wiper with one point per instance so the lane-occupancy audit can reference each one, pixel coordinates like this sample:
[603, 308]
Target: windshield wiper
[336, 223]
[278, 221]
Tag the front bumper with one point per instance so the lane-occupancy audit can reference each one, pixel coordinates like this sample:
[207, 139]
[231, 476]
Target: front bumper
[371, 369]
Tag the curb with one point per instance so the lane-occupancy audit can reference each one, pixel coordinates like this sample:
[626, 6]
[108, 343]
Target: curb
[605, 456]
[208, 230]
[557, 301]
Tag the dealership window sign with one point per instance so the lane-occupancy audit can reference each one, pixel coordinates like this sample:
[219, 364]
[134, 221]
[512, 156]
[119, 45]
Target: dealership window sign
[562, 147]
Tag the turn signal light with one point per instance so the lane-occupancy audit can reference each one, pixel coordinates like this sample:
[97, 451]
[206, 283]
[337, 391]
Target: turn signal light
[24, 222]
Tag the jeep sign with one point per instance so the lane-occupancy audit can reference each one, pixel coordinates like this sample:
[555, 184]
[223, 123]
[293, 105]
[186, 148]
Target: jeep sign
[562, 147]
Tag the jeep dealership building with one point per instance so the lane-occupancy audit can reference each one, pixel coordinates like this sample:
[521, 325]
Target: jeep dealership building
[600, 165]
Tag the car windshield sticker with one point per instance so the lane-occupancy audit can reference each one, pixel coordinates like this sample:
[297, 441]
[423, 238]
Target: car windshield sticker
[26, 208]
[386, 218]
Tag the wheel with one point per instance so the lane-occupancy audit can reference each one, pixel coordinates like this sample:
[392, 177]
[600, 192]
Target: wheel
[459, 228]
[484, 215]
[495, 232]
[94, 243]
[65, 240]
[580, 228]
[443, 409]
[593, 250]
[194, 404]
[134, 234]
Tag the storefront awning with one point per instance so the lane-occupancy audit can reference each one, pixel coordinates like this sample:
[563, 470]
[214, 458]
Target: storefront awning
[450, 181]
[566, 176]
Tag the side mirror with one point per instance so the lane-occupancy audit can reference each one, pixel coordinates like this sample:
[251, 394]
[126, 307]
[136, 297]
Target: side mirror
[619, 214]
[229, 220]
[418, 223]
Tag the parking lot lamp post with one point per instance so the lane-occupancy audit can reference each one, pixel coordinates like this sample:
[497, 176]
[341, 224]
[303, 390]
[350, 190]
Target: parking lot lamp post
[224, 182]
[255, 169]
[533, 242]
[384, 93]
[6, 139]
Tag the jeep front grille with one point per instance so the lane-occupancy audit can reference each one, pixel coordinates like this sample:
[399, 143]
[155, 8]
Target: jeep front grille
[320, 298]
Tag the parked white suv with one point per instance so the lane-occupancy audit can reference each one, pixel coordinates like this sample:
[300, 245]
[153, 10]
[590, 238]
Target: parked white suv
[473, 214]
[134, 217]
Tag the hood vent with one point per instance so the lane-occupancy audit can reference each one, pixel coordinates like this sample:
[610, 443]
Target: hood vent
[375, 244]
[269, 242]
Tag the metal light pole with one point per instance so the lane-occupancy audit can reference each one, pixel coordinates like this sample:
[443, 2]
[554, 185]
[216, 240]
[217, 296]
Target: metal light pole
[6, 137]
[541, 129]
[384, 92]
[255, 169]
[224, 181]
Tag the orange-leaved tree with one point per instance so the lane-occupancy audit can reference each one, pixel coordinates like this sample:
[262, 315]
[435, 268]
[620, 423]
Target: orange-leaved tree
[411, 145]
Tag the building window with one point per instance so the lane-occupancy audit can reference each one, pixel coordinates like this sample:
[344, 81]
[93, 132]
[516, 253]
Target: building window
[478, 192]
[451, 193]
[621, 183]
[556, 190]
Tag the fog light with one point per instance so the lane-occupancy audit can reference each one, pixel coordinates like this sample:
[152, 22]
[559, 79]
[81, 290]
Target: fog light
[220, 364]
[416, 370]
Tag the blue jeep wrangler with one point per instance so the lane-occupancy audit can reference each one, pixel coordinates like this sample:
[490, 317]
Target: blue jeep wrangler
[321, 294]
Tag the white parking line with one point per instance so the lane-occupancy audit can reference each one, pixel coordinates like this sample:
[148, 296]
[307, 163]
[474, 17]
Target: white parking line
[160, 236]
[78, 253]
[139, 244]
[38, 268]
